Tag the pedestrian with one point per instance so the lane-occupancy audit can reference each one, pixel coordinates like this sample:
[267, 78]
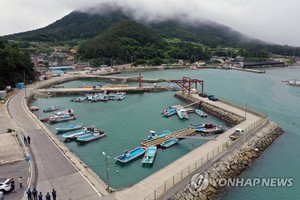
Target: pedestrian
[25, 139]
[29, 194]
[12, 182]
[34, 193]
[28, 139]
[53, 194]
[20, 182]
[48, 197]
[40, 196]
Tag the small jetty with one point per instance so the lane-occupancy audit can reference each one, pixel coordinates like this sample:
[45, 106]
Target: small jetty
[180, 134]
[82, 91]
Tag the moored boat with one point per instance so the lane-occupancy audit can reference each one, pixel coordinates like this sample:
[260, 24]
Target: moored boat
[169, 143]
[61, 118]
[51, 109]
[130, 155]
[149, 155]
[182, 114]
[70, 127]
[73, 135]
[155, 135]
[214, 130]
[200, 113]
[90, 135]
[169, 112]
[203, 126]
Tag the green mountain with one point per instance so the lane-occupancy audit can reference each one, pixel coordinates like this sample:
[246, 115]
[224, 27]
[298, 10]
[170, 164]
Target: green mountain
[105, 38]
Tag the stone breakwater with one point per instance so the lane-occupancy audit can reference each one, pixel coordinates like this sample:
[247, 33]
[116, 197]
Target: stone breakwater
[207, 185]
[227, 116]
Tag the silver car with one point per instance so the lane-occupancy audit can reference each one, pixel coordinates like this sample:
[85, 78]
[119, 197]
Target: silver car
[1, 195]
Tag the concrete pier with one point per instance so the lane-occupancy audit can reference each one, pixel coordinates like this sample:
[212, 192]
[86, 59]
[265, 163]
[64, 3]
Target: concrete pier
[164, 183]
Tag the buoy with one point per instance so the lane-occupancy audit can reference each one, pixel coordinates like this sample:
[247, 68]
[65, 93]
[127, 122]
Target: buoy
[117, 171]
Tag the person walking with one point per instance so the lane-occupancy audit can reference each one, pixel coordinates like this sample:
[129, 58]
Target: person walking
[12, 182]
[40, 196]
[20, 182]
[48, 197]
[25, 140]
[29, 194]
[53, 194]
[28, 139]
[34, 193]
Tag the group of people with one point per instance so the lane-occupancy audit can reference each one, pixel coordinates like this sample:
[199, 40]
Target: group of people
[27, 139]
[12, 183]
[34, 195]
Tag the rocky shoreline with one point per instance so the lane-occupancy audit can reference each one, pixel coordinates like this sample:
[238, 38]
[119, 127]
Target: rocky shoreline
[206, 185]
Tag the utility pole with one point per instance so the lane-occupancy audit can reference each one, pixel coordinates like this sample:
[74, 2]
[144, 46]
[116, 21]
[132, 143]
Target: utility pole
[107, 178]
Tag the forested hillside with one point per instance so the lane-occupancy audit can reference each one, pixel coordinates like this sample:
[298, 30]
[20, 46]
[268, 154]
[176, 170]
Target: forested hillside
[15, 65]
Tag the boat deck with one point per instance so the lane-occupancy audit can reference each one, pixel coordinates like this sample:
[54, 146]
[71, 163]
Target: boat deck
[183, 133]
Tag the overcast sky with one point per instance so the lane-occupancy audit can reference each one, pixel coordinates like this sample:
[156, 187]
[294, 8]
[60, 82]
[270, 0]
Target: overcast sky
[275, 21]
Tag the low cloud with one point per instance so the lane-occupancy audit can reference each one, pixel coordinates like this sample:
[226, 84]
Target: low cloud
[273, 21]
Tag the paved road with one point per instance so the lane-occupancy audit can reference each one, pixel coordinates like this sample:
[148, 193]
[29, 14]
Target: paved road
[52, 169]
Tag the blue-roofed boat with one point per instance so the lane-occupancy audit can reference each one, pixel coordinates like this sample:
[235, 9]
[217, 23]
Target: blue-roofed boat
[157, 135]
[90, 135]
[71, 127]
[130, 155]
[169, 143]
[201, 113]
[169, 112]
[149, 155]
[182, 114]
[51, 109]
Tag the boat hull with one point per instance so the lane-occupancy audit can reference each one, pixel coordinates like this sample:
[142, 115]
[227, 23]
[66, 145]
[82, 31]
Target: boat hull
[133, 154]
[169, 143]
[149, 155]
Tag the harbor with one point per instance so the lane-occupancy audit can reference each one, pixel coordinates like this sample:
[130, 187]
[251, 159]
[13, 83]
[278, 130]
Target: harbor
[240, 116]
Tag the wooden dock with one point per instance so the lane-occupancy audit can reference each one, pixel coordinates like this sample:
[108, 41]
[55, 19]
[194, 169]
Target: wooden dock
[180, 134]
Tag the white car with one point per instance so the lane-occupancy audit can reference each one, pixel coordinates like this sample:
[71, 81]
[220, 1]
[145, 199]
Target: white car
[5, 184]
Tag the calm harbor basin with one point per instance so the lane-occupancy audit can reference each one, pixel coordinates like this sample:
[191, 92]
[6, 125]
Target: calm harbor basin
[129, 121]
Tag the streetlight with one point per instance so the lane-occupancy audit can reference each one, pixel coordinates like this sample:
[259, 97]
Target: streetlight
[106, 160]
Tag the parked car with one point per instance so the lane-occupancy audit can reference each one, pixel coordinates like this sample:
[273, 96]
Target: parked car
[212, 98]
[202, 94]
[236, 134]
[1, 195]
[5, 184]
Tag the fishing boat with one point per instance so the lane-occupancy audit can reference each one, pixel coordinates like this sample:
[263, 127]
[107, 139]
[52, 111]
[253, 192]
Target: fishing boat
[201, 113]
[70, 127]
[182, 114]
[51, 109]
[155, 135]
[149, 155]
[73, 135]
[201, 127]
[213, 130]
[169, 143]
[130, 155]
[61, 118]
[169, 112]
[90, 135]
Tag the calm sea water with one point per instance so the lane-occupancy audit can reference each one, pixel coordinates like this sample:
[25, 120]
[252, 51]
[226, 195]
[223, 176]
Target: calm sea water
[129, 121]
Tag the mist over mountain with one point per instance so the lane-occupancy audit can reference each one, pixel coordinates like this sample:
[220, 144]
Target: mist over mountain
[187, 32]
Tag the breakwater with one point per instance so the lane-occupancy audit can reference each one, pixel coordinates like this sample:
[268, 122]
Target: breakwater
[207, 184]
[225, 115]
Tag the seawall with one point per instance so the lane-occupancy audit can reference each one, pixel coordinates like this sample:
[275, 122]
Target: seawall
[225, 115]
[206, 185]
